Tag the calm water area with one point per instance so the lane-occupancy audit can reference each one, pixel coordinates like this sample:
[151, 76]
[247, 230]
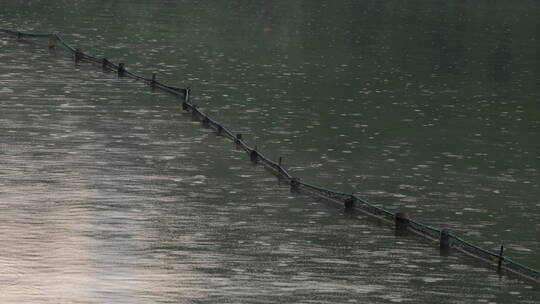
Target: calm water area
[109, 193]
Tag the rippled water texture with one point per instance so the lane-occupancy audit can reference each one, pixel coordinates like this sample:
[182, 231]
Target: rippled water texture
[110, 194]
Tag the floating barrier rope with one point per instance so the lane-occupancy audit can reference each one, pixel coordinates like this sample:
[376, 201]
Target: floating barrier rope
[402, 223]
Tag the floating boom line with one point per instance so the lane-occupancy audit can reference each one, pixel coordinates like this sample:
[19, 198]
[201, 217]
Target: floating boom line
[402, 223]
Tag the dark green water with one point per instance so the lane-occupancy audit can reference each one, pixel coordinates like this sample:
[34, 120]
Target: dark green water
[427, 107]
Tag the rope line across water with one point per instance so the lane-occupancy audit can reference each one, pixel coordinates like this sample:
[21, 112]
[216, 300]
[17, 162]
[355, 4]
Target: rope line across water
[295, 183]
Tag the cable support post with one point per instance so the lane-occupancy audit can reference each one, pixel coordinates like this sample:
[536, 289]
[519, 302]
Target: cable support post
[19, 35]
[153, 81]
[187, 93]
[280, 168]
[501, 257]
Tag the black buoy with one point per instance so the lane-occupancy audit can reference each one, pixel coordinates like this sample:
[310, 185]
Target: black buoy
[254, 155]
[295, 184]
[78, 55]
[401, 223]
[444, 241]
[238, 138]
[105, 63]
[121, 70]
[349, 203]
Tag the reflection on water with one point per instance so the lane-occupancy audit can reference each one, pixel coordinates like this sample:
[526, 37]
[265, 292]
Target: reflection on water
[111, 194]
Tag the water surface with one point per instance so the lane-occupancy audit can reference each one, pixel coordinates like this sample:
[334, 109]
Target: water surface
[111, 194]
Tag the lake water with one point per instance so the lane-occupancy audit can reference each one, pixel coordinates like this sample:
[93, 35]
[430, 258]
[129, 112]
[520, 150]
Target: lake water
[111, 194]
